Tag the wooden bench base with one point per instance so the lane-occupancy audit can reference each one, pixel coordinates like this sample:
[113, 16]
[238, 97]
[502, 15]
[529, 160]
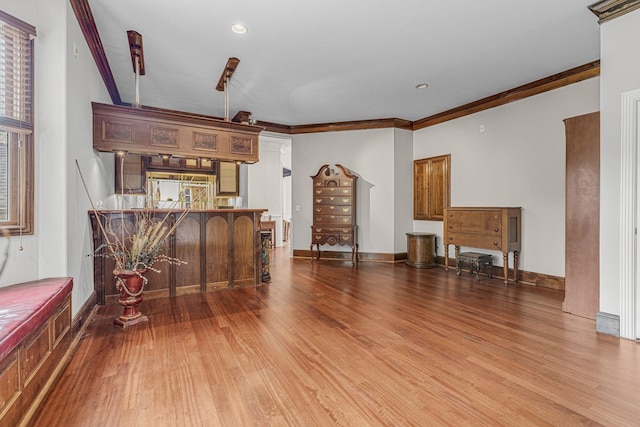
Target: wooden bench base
[27, 370]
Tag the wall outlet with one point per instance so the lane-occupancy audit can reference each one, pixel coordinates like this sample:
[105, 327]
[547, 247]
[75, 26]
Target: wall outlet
[297, 208]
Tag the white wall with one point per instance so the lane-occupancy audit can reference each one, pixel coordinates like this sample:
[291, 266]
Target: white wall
[64, 88]
[620, 72]
[265, 188]
[403, 188]
[518, 161]
[265, 178]
[22, 265]
[366, 153]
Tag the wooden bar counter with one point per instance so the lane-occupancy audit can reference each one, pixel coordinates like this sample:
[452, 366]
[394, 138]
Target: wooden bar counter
[221, 248]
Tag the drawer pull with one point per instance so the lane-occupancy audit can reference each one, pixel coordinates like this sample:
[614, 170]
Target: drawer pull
[318, 200]
[318, 230]
[343, 209]
[345, 219]
[332, 207]
[496, 229]
[345, 200]
[495, 243]
[331, 198]
[332, 216]
[318, 191]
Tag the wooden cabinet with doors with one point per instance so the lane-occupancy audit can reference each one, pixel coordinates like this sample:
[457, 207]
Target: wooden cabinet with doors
[334, 210]
[431, 187]
[130, 173]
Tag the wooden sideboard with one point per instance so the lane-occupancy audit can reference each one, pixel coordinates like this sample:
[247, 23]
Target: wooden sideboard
[222, 249]
[334, 210]
[494, 228]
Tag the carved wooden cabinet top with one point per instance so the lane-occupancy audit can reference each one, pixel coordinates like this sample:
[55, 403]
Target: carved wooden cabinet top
[152, 131]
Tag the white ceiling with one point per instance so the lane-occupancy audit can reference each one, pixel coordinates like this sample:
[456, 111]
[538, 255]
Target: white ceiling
[312, 61]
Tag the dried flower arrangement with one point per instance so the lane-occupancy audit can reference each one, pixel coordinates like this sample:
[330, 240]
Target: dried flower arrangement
[141, 247]
[138, 247]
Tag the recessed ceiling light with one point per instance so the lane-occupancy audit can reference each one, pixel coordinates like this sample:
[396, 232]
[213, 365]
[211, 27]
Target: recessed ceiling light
[239, 29]
[422, 86]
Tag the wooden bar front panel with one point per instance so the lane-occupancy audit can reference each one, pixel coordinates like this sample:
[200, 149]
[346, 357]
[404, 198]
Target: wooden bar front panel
[221, 248]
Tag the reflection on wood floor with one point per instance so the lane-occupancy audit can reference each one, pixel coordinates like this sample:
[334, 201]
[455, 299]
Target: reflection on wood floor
[326, 343]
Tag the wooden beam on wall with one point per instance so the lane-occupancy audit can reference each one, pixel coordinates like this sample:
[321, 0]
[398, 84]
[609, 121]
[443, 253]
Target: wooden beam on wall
[90, 31]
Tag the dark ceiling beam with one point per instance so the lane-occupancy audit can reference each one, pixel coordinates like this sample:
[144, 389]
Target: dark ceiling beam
[90, 31]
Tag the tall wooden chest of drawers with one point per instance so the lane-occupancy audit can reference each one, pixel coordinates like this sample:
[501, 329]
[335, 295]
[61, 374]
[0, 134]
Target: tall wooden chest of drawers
[493, 228]
[334, 210]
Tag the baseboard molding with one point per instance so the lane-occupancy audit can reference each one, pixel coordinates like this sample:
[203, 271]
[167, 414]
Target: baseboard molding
[84, 314]
[607, 323]
[526, 277]
[346, 256]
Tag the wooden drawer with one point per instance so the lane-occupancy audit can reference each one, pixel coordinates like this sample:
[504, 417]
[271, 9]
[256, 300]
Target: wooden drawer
[332, 230]
[332, 200]
[346, 239]
[474, 240]
[332, 238]
[333, 219]
[332, 191]
[481, 222]
[332, 210]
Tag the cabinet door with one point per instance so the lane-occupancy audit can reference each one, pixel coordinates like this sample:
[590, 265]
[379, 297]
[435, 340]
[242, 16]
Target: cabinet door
[130, 174]
[438, 186]
[228, 182]
[431, 189]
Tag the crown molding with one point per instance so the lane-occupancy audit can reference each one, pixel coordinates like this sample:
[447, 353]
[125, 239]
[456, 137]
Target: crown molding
[606, 10]
[354, 125]
[611, 7]
[574, 75]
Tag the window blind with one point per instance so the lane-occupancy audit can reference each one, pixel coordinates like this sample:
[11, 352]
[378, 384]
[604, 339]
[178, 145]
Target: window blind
[16, 75]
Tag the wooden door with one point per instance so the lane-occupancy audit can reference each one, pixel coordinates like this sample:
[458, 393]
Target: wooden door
[582, 232]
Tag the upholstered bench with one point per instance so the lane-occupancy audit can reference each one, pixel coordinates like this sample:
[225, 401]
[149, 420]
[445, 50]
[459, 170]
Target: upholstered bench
[475, 260]
[35, 322]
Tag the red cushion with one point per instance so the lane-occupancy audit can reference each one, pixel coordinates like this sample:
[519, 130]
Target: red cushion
[23, 307]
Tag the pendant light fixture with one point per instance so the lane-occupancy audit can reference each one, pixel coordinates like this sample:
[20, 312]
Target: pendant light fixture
[137, 60]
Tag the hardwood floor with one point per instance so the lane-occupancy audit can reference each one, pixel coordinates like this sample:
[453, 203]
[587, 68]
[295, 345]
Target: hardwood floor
[326, 343]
